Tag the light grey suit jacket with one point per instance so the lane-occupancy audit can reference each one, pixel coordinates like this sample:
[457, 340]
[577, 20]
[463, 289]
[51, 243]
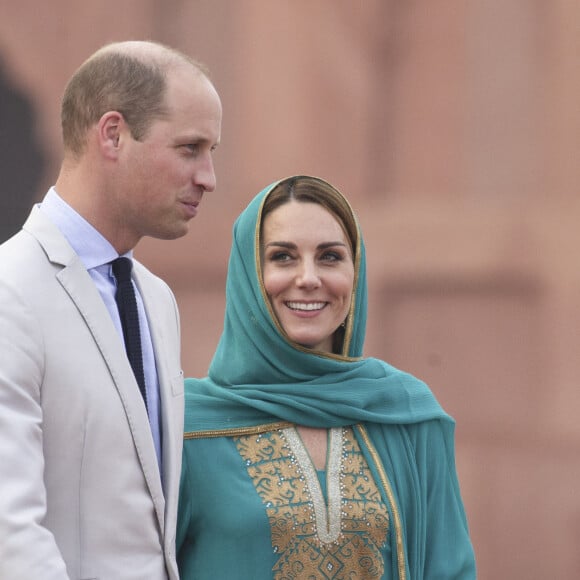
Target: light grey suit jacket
[81, 496]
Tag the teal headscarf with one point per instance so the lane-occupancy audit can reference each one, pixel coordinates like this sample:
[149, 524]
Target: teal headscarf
[258, 376]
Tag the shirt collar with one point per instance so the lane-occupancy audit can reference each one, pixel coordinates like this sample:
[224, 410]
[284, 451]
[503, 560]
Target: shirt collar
[91, 246]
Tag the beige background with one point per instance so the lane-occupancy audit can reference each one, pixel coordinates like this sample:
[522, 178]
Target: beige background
[454, 128]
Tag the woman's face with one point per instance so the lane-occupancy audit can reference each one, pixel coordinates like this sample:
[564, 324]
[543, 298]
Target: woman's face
[308, 272]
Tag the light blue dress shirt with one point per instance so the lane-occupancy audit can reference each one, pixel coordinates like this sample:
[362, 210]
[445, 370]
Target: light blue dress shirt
[96, 253]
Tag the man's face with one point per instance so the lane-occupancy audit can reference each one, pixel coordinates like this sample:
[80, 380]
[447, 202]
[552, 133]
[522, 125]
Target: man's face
[164, 176]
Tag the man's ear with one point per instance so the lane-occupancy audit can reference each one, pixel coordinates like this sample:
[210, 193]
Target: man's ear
[109, 129]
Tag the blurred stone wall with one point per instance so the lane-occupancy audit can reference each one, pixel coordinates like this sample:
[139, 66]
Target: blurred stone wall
[454, 128]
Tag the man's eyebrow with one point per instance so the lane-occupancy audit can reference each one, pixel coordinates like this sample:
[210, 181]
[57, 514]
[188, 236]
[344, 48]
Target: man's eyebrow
[193, 138]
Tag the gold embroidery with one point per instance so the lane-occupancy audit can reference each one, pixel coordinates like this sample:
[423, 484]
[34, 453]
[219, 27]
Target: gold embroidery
[327, 518]
[236, 431]
[391, 497]
[350, 545]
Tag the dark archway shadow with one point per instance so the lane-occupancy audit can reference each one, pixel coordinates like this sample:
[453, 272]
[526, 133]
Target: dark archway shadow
[21, 158]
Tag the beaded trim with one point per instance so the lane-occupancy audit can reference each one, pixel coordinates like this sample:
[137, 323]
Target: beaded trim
[328, 521]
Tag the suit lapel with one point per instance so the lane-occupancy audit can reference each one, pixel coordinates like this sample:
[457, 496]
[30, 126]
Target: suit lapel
[81, 289]
[170, 385]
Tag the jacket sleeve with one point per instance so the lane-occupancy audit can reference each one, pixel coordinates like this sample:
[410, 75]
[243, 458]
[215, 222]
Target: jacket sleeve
[27, 549]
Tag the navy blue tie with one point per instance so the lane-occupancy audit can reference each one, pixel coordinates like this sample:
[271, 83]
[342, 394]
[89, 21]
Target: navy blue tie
[127, 305]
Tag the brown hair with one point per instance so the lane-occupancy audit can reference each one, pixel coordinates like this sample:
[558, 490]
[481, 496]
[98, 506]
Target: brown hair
[129, 78]
[304, 188]
[307, 189]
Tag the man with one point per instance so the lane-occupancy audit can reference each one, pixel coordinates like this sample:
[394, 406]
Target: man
[89, 465]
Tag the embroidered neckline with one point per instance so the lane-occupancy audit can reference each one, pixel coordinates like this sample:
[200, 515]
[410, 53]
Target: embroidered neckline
[302, 535]
[328, 518]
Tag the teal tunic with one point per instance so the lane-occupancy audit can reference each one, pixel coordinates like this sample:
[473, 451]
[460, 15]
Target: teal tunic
[269, 520]
[232, 521]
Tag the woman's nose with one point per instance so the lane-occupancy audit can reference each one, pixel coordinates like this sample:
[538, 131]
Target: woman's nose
[308, 276]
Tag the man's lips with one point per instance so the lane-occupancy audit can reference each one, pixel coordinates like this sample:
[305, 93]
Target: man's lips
[190, 207]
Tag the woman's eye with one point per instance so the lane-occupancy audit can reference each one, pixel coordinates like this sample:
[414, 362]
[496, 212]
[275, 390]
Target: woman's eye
[332, 256]
[280, 257]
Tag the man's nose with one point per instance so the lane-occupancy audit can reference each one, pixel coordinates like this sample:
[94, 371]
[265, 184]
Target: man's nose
[205, 174]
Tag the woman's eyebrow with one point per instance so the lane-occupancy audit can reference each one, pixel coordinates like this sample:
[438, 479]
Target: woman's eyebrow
[281, 244]
[331, 244]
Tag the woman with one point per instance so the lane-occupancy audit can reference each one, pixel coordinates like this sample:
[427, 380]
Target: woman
[301, 458]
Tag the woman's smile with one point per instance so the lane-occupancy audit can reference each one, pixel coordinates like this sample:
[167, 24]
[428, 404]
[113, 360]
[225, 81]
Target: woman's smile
[306, 306]
[308, 272]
